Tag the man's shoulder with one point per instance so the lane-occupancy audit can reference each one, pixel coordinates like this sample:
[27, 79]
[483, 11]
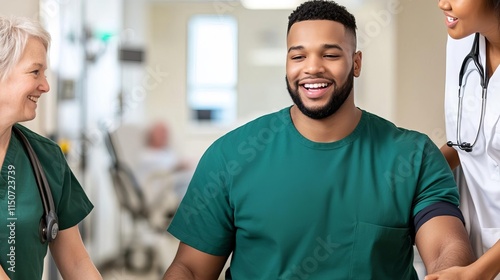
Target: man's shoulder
[384, 127]
[264, 124]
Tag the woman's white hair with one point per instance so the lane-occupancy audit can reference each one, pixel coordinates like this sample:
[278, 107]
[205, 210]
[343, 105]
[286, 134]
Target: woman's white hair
[14, 35]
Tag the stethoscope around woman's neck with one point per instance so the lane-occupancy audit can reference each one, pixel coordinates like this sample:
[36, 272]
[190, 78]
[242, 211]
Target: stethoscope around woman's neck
[49, 225]
[462, 82]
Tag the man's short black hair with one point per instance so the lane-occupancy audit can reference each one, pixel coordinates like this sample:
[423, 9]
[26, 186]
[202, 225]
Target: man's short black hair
[323, 10]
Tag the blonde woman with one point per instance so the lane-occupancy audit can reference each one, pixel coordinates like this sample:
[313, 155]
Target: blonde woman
[39, 208]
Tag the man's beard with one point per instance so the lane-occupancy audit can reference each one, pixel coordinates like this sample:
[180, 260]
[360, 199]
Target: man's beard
[338, 98]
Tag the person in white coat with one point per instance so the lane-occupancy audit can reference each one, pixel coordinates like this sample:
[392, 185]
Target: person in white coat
[472, 107]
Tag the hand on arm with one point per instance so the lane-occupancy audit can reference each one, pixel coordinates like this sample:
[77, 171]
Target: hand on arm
[443, 242]
[71, 257]
[190, 263]
[486, 267]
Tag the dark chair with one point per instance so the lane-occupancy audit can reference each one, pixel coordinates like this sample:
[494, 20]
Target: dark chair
[135, 254]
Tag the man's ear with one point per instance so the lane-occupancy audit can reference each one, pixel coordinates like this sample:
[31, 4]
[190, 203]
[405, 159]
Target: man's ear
[357, 58]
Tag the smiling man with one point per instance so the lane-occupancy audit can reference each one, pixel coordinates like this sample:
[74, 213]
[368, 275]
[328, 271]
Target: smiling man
[330, 192]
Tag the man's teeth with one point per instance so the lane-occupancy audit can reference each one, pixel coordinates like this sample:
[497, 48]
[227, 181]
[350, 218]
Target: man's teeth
[320, 85]
[451, 19]
[33, 98]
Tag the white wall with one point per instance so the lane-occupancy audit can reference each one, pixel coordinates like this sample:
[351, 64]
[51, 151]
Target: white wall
[375, 88]
[420, 57]
[27, 8]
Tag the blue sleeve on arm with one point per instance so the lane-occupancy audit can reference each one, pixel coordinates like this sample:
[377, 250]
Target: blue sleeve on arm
[434, 210]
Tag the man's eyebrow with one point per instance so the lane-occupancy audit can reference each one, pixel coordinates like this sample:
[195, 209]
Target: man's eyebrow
[332, 46]
[325, 46]
[295, 48]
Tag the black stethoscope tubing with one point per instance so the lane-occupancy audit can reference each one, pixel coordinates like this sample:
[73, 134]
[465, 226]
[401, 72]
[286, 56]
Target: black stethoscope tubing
[473, 56]
[49, 226]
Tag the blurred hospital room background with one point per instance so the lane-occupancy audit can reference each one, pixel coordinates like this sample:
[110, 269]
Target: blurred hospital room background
[202, 68]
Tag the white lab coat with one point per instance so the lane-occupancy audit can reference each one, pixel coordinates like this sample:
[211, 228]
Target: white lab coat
[480, 200]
